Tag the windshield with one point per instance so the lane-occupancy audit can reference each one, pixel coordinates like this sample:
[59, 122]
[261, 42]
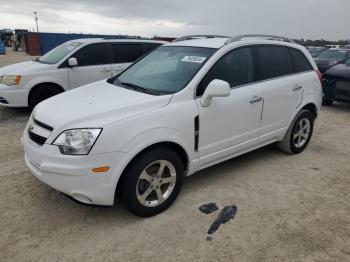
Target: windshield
[166, 70]
[56, 54]
[347, 62]
[317, 50]
[333, 54]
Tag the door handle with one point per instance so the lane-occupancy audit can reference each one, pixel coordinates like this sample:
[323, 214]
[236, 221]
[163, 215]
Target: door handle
[105, 70]
[297, 87]
[255, 99]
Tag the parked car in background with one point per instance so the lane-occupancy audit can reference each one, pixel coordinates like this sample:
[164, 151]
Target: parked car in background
[331, 57]
[70, 65]
[333, 46]
[189, 104]
[315, 51]
[336, 86]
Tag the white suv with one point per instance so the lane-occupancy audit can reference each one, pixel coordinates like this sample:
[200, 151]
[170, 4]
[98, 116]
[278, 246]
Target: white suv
[187, 105]
[72, 64]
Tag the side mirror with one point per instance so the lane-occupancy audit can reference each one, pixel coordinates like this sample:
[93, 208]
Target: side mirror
[216, 88]
[72, 62]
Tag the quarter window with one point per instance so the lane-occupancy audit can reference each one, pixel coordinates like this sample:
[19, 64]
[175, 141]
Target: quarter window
[273, 61]
[300, 63]
[94, 54]
[236, 68]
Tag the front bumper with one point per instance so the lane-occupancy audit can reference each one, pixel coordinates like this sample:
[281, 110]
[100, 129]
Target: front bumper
[13, 96]
[73, 175]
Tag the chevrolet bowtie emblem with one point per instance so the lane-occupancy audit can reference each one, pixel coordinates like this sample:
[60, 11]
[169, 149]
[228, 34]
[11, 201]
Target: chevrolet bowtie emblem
[30, 127]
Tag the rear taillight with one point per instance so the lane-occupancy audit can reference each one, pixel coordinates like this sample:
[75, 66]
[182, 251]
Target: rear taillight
[320, 76]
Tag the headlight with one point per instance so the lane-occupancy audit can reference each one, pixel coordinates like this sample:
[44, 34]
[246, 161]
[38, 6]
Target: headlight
[77, 141]
[10, 80]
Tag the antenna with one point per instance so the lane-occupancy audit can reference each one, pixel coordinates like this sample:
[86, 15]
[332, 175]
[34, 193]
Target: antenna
[36, 21]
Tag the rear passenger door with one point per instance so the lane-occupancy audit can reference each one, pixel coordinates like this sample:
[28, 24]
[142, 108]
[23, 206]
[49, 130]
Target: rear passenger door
[282, 90]
[94, 64]
[125, 54]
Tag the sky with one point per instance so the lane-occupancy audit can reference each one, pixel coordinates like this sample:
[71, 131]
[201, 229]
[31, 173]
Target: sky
[308, 19]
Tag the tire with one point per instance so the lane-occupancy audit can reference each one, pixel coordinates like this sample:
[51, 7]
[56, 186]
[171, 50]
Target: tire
[42, 93]
[296, 140]
[140, 183]
[327, 101]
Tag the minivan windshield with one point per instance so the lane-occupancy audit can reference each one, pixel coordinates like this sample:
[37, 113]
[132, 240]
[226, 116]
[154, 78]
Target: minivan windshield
[166, 70]
[56, 54]
[333, 54]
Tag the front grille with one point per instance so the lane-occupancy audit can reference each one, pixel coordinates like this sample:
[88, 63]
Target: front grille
[42, 125]
[36, 138]
[3, 100]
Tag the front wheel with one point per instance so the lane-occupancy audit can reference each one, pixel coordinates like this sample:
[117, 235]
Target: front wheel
[299, 133]
[152, 182]
[42, 93]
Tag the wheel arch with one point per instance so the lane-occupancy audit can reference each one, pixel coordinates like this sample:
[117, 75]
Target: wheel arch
[43, 84]
[176, 147]
[312, 108]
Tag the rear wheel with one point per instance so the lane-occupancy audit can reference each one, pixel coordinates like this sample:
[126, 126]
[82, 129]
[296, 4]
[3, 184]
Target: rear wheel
[152, 182]
[42, 93]
[299, 133]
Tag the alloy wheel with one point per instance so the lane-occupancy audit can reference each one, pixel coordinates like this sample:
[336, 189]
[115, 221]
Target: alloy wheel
[156, 183]
[302, 132]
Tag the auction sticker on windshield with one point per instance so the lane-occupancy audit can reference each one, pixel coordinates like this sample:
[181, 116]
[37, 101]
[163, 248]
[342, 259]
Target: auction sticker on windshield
[193, 59]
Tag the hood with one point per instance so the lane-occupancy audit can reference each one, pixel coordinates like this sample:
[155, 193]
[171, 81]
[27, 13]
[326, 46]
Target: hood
[341, 70]
[22, 68]
[95, 105]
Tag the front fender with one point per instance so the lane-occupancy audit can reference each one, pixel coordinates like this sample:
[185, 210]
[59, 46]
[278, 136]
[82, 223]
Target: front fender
[151, 137]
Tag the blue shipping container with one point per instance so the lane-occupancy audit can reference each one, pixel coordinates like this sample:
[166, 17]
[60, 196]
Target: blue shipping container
[49, 41]
[2, 48]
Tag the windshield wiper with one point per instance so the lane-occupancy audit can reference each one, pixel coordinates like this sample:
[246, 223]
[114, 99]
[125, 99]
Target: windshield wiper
[136, 87]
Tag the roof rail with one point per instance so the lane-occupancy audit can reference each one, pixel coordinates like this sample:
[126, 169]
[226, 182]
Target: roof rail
[269, 37]
[189, 37]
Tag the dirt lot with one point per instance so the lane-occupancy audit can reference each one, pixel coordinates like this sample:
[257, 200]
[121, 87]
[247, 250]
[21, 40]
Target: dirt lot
[290, 208]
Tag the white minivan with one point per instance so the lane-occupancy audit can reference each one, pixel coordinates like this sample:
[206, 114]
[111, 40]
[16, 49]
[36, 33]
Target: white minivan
[72, 64]
[187, 105]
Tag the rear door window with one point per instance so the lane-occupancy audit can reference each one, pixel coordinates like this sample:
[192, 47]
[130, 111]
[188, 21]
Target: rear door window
[273, 61]
[93, 54]
[126, 53]
[300, 62]
[148, 47]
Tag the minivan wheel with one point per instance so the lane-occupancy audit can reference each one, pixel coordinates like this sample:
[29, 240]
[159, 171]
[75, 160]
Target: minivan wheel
[299, 133]
[152, 182]
[42, 93]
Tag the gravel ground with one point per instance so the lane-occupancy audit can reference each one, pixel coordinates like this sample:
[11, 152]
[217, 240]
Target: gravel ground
[290, 208]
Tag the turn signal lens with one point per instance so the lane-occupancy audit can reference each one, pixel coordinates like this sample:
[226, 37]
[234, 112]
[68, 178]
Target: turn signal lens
[17, 79]
[100, 169]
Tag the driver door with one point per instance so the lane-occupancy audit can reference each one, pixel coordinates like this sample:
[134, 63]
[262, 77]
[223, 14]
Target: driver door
[230, 124]
[94, 64]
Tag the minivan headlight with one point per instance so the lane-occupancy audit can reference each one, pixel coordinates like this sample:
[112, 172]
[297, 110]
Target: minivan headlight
[10, 80]
[77, 141]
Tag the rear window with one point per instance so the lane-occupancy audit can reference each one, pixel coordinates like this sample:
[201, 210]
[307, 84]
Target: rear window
[273, 61]
[300, 62]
